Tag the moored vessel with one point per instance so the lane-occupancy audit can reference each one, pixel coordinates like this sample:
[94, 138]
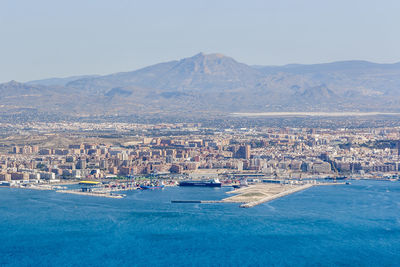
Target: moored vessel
[152, 186]
[336, 178]
[210, 183]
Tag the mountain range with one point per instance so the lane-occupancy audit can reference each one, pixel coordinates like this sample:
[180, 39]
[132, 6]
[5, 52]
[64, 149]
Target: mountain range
[213, 83]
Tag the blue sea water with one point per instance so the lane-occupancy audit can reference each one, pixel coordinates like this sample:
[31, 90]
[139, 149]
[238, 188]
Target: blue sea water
[347, 225]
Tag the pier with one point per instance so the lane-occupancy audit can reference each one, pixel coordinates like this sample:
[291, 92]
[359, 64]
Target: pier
[272, 197]
[96, 194]
[196, 201]
[186, 201]
[256, 194]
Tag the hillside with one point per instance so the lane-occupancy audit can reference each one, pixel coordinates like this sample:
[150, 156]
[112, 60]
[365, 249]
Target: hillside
[214, 83]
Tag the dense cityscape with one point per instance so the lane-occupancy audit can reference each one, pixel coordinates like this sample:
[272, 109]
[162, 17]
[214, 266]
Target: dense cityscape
[162, 150]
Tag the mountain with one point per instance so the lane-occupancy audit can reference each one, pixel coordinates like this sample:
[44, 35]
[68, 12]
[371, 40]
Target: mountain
[199, 73]
[16, 96]
[59, 81]
[214, 83]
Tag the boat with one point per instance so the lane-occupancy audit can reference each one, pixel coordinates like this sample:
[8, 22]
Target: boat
[210, 183]
[243, 183]
[152, 186]
[5, 184]
[336, 178]
[89, 182]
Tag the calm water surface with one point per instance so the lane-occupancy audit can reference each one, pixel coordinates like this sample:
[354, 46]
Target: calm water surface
[349, 225]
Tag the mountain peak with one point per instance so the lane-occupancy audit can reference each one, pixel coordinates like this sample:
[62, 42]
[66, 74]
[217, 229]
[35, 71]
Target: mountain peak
[217, 55]
[215, 64]
[211, 60]
[13, 82]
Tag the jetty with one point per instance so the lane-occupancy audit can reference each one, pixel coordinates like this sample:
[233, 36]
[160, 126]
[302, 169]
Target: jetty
[93, 193]
[196, 201]
[256, 194]
[272, 197]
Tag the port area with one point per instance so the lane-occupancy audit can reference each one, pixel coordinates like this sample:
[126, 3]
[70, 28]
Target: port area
[96, 189]
[258, 193]
[107, 188]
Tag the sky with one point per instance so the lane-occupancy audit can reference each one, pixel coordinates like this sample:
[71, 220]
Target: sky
[59, 38]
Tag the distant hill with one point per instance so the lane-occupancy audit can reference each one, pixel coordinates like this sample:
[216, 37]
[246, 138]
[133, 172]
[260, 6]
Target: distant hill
[60, 81]
[214, 83]
[200, 73]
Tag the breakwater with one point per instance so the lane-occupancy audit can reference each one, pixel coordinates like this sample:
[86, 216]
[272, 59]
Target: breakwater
[256, 194]
[279, 195]
[96, 194]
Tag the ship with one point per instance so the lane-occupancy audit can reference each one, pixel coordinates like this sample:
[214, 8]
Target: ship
[336, 178]
[243, 183]
[5, 184]
[152, 186]
[210, 183]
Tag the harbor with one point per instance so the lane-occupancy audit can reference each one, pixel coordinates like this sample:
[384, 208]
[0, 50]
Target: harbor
[246, 194]
[98, 189]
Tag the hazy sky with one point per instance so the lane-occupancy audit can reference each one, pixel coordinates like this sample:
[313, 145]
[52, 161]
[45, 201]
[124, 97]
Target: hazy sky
[47, 38]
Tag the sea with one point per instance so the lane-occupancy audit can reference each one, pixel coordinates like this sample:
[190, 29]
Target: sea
[342, 225]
